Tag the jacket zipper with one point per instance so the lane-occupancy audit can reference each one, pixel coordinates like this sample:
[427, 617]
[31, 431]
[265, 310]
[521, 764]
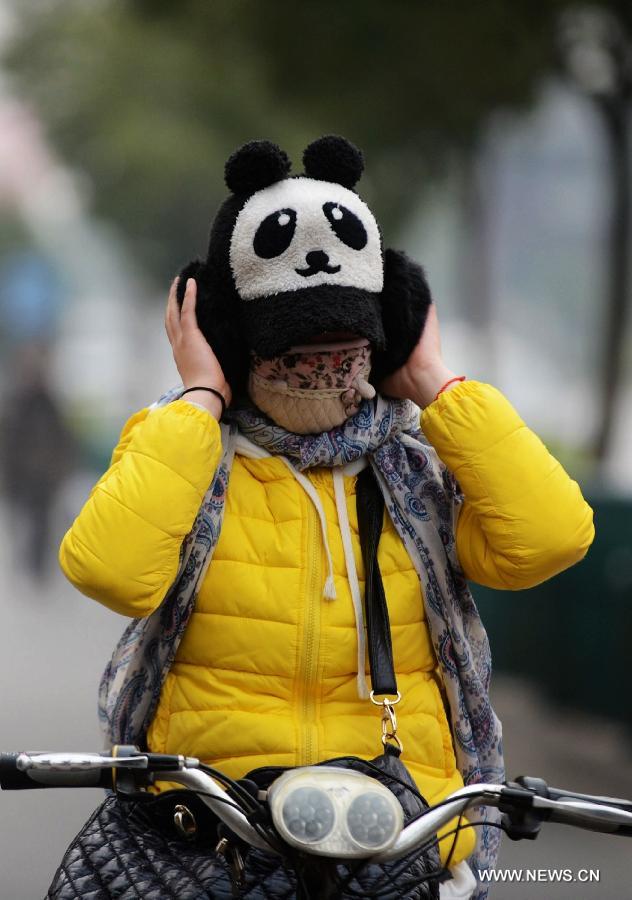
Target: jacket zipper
[311, 642]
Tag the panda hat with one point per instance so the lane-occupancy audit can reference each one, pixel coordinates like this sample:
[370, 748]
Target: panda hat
[299, 259]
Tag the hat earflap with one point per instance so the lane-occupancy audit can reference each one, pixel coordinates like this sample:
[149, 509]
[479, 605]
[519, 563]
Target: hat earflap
[217, 320]
[405, 301]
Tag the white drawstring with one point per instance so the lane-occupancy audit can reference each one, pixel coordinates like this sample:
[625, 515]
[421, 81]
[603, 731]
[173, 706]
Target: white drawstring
[247, 448]
[352, 575]
[329, 591]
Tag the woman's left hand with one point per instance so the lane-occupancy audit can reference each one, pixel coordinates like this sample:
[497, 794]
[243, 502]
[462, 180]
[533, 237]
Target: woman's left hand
[424, 373]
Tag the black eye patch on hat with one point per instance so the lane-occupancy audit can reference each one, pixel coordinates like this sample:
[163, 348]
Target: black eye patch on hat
[274, 235]
[298, 259]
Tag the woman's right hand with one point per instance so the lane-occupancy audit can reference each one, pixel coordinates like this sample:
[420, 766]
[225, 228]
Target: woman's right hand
[194, 358]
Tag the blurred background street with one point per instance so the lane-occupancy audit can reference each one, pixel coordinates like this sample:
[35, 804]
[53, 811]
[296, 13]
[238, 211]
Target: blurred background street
[499, 155]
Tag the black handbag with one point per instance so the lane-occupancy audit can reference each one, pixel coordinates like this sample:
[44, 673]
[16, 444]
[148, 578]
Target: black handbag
[172, 845]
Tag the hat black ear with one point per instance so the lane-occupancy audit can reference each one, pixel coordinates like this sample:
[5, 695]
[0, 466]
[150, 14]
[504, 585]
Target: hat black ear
[333, 158]
[405, 302]
[254, 166]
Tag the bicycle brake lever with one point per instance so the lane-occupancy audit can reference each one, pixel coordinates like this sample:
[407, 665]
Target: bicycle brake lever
[519, 820]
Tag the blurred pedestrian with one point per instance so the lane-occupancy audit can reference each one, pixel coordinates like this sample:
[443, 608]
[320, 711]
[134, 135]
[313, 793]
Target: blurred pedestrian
[36, 455]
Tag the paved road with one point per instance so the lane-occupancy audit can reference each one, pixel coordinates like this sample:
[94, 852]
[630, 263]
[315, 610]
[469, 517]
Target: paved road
[54, 646]
[575, 752]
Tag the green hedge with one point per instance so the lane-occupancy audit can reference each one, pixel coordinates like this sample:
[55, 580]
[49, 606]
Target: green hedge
[573, 634]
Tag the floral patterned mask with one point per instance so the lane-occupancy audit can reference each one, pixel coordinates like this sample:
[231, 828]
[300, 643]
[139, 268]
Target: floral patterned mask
[314, 387]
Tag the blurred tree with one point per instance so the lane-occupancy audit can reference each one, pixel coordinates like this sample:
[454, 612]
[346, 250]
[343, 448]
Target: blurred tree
[596, 49]
[149, 98]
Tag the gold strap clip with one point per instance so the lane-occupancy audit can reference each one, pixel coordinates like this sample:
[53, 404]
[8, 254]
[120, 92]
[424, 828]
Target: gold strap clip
[389, 719]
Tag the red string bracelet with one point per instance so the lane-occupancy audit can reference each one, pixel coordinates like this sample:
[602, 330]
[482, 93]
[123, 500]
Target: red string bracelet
[448, 383]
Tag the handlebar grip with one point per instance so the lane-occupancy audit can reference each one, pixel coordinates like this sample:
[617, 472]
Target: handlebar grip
[13, 779]
[618, 802]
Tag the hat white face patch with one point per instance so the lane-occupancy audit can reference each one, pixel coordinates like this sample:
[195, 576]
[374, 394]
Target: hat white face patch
[301, 233]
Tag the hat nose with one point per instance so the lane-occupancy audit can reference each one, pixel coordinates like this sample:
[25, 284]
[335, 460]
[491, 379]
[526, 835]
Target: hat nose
[316, 259]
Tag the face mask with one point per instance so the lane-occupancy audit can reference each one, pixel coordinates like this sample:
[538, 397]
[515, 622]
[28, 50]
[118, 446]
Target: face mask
[312, 388]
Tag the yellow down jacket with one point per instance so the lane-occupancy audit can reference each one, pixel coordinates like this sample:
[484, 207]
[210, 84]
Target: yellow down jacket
[266, 670]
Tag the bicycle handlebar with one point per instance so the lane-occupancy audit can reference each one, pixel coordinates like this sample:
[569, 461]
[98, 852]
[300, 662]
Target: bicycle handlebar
[39, 770]
[14, 777]
[21, 771]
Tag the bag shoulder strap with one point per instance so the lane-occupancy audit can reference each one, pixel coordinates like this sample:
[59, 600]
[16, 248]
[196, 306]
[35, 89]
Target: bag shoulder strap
[370, 509]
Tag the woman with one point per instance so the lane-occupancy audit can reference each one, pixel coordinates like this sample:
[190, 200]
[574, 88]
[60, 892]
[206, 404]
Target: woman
[267, 672]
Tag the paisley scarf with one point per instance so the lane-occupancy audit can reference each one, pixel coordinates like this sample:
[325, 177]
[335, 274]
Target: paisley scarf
[423, 501]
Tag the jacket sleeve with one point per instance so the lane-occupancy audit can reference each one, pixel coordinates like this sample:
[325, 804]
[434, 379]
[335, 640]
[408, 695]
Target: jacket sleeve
[523, 518]
[123, 548]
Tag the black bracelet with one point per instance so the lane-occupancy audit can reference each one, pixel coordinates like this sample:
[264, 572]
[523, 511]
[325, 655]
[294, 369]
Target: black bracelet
[211, 391]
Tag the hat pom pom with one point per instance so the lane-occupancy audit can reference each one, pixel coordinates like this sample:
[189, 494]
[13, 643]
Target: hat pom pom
[255, 166]
[333, 158]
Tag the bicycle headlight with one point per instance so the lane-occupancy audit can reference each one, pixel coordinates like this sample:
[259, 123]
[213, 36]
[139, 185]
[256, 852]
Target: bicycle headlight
[335, 812]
